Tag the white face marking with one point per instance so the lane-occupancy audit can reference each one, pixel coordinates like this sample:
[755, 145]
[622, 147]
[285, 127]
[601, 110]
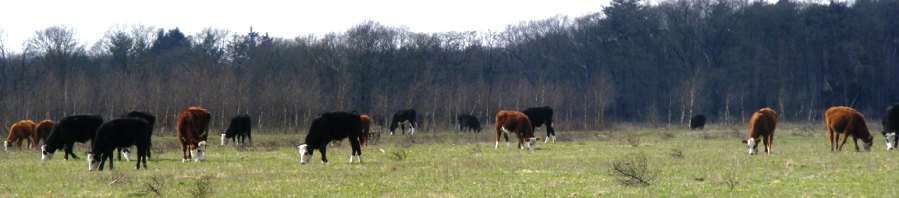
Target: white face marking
[868, 145]
[127, 153]
[201, 152]
[304, 158]
[195, 154]
[751, 143]
[91, 162]
[890, 140]
[5, 145]
[44, 154]
[223, 140]
[531, 143]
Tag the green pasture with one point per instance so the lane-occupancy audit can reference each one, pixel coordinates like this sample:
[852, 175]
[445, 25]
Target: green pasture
[680, 163]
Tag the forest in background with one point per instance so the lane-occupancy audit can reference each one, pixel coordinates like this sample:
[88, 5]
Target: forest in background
[632, 61]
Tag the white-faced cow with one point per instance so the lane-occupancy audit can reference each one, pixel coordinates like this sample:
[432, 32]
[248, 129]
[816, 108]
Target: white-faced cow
[19, 132]
[761, 128]
[516, 123]
[76, 128]
[151, 121]
[540, 116]
[238, 131]
[328, 127]
[119, 133]
[402, 118]
[891, 126]
[193, 129]
[697, 122]
[468, 122]
[846, 121]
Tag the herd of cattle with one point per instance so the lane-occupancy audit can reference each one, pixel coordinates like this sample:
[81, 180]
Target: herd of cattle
[135, 129]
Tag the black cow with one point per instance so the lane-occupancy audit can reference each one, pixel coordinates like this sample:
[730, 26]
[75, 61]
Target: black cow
[470, 122]
[238, 130]
[76, 128]
[151, 120]
[328, 127]
[697, 122]
[119, 133]
[540, 116]
[891, 126]
[402, 118]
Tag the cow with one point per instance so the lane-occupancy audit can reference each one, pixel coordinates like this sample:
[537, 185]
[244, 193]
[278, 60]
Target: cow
[517, 123]
[332, 126]
[470, 122]
[540, 116]
[238, 131]
[193, 126]
[761, 128]
[71, 129]
[402, 118]
[846, 121]
[697, 122]
[151, 120]
[41, 132]
[20, 131]
[891, 126]
[119, 133]
[365, 121]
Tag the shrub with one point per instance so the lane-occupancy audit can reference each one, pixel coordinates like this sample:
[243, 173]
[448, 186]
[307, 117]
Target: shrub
[633, 170]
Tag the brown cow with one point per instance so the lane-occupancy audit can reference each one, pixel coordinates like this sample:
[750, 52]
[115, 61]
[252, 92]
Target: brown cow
[18, 132]
[846, 121]
[366, 129]
[514, 122]
[761, 127]
[193, 126]
[41, 132]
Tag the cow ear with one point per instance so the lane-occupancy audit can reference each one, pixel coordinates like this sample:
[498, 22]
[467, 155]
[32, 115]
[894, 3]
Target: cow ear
[743, 140]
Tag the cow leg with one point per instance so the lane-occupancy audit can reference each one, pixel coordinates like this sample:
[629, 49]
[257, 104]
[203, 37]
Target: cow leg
[69, 148]
[110, 159]
[550, 132]
[357, 149]
[324, 154]
[184, 152]
[768, 141]
[855, 142]
[497, 136]
[842, 141]
[830, 139]
[506, 136]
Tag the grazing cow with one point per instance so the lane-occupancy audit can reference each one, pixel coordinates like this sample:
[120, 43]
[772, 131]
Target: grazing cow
[517, 123]
[891, 126]
[402, 118]
[846, 121]
[328, 127]
[193, 126]
[76, 128]
[238, 131]
[41, 132]
[761, 127]
[365, 121]
[470, 122]
[119, 133]
[151, 120]
[18, 132]
[697, 122]
[540, 116]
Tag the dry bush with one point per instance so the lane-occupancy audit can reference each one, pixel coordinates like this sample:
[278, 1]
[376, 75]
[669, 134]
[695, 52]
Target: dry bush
[633, 170]
[154, 186]
[676, 154]
[667, 135]
[631, 139]
[202, 186]
[398, 155]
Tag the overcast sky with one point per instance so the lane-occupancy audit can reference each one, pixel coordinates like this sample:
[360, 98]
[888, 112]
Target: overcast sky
[286, 19]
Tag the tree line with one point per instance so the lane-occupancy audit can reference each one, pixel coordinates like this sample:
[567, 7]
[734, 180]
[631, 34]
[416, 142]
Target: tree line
[630, 62]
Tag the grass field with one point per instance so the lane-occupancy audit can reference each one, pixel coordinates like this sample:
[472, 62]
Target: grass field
[684, 163]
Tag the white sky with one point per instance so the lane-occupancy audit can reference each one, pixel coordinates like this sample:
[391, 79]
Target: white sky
[286, 19]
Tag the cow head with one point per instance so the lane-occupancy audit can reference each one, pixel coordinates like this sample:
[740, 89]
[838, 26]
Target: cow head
[868, 143]
[223, 140]
[92, 162]
[199, 153]
[6, 145]
[305, 153]
[45, 154]
[532, 142]
[890, 138]
[752, 143]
